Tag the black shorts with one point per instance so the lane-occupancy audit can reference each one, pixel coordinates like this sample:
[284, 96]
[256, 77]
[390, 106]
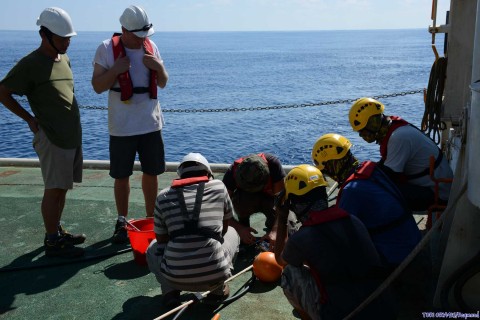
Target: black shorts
[150, 153]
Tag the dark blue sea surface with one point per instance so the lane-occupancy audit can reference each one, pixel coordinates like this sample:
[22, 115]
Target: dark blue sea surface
[210, 70]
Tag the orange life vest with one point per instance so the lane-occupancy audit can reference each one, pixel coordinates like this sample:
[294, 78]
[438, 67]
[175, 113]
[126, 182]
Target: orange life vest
[124, 80]
[177, 183]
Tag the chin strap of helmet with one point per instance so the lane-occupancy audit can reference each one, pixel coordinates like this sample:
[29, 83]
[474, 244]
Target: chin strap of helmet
[49, 35]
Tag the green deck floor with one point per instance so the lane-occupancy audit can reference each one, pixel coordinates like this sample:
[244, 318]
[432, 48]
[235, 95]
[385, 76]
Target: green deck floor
[106, 283]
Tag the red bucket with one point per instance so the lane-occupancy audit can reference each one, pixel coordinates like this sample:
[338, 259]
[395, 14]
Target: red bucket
[141, 238]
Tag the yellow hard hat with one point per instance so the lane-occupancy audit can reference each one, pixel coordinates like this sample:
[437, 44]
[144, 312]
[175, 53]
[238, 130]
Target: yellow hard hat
[362, 110]
[330, 146]
[302, 179]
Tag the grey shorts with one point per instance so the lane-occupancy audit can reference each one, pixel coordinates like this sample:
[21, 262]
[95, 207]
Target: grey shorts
[301, 290]
[230, 249]
[60, 167]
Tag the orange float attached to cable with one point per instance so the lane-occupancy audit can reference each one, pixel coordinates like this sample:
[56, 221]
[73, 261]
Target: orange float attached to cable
[266, 268]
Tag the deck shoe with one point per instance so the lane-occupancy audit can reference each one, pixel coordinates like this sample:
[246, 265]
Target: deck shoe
[171, 299]
[74, 238]
[62, 248]
[120, 235]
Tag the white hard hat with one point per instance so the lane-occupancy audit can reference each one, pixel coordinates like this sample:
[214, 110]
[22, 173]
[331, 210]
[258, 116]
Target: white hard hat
[135, 20]
[202, 164]
[57, 21]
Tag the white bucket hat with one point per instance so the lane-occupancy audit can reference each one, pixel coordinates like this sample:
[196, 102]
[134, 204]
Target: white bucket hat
[135, 20]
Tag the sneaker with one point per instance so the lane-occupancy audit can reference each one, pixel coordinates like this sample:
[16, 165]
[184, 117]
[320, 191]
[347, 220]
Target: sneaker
[74, 238]
[62, 248]
[218, 295]
[120, 235]
[171, 299]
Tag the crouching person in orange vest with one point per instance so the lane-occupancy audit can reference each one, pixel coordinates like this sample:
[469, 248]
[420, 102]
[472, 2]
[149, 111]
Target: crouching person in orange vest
[194, 247]
[331, 265]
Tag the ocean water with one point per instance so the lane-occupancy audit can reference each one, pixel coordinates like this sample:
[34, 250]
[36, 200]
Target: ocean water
[217, 70]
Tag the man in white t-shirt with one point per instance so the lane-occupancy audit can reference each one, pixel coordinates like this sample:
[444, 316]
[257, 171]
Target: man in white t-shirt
[130, 67]
[405, 152]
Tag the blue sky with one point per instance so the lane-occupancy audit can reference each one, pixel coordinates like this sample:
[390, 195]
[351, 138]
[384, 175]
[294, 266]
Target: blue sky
[233, 15]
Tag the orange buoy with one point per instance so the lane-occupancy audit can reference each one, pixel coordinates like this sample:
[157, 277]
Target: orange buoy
[266, 268]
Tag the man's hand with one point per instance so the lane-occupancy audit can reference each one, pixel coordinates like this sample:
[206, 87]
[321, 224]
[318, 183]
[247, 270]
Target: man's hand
[270, 237]
[121, 65]
[246, 236]
[152, 62]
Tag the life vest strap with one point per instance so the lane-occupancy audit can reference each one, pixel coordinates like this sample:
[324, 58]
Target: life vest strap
[136, 90]
[190, 219]
[426, 171]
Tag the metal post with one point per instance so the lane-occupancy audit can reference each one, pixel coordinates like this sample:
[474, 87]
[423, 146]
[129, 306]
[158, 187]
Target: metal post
[474, 122]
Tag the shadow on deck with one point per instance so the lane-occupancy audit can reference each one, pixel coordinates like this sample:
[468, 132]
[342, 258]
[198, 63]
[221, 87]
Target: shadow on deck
[106, 283]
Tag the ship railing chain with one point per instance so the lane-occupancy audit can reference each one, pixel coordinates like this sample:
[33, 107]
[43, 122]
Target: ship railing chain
[275, 107]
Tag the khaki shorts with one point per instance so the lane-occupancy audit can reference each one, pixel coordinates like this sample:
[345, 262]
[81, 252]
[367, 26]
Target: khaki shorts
[60, 167]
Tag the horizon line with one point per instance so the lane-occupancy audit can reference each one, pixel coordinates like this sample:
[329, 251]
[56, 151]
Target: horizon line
[276, 30]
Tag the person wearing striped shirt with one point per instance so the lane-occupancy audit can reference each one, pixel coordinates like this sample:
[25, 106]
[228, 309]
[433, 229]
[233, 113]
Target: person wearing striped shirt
[195, 247]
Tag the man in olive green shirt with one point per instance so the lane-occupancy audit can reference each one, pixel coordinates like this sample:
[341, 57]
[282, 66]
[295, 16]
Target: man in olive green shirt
[44, 76]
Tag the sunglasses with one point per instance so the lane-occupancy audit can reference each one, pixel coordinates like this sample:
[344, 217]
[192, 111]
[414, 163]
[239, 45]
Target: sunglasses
[144, 28]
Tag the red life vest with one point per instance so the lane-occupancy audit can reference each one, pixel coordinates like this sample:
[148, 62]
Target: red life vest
[268, 187]
[124, 79]
[397, 122]
[363, 172]
[318, 217]
[330, 214]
